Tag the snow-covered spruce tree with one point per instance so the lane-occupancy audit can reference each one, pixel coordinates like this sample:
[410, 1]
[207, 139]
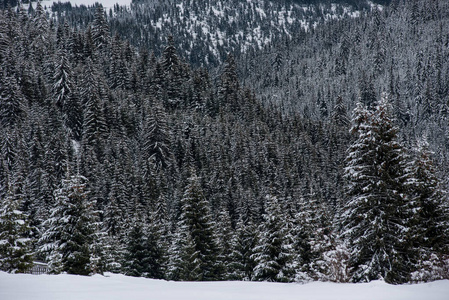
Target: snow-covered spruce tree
[145, 252]
[12, 101]
[15, 245]
[183, 263]
[229, 85]
[62, 87]
[156, 248]
[246, 240]
[95, 128]
[136, 255]
[172, 79]
[100, 28]
[64, 96]
[157, 138]
[274, 255]
[71, 230]
[337, 262]
[313, 238]
[113, 225]
[375, 215]
[430, 225]
[225, 242]
[8, 153]
[194, 241]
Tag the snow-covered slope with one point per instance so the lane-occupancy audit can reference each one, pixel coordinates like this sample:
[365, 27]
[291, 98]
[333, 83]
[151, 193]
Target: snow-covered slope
[205, 31]
[106, 3]
[111, 287]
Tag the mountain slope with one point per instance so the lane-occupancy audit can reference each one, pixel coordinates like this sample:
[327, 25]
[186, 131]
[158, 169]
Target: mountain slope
[206, 31]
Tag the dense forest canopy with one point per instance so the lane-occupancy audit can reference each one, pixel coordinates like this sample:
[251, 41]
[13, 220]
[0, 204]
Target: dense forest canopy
[205, 31]
[118, 157]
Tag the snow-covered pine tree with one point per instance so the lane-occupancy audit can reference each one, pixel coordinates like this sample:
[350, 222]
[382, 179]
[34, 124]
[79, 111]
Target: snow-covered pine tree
[71, 229]
[113, 225]
[375, 216]
[339, 114]
[8, 152]
[41, 36]
[229, 85]
[313, 238]
[12, 101]
[274, 255]
[15, 244]
[184, 263]
[172, 79]
[246, 239]
[428, 236]
[157, 138]
[63, 85]
[64, 95]
[156, 247]
[337, 262]
[194, 241]
[136, 254]
[95, 127]
[100, 28]
[225, 242]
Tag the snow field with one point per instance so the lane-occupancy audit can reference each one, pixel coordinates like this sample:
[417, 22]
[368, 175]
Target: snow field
[118, 287]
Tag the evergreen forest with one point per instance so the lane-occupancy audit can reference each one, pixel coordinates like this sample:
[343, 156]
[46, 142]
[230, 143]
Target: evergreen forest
[283, 141]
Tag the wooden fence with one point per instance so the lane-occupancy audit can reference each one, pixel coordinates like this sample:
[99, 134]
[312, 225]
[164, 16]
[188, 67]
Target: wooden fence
[38, 268]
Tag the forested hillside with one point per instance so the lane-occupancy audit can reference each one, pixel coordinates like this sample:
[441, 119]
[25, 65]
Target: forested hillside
[116, 158]
[402, 50]
[205, 31]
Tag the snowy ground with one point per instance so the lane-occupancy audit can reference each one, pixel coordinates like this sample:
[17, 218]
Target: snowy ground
[111, 287]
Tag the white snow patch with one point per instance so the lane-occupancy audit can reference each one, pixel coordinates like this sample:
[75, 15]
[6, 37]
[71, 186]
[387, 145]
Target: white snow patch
[76, 146]
[20, 222]
[115, 287]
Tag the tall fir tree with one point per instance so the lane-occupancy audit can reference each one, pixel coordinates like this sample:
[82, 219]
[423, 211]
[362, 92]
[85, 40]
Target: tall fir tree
[12, 101]
[136, 254]
[71, 229]
[155, 245]
[274, 256]
[228, 92]
[184, 263]
[430, 223]
[157, 138]
[15, 243]
[246, 239]
[172, 79]
[226, 243]
[195, 228]
[313, 238]
[100, 28]
[375, 217]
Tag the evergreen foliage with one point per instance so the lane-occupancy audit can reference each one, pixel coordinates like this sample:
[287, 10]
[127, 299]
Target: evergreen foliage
[376, 217]
[71, 229]
[242, 260]
[226, 244]
[136, 255]
[198, 248]
[430, 221]
[274, 254]
[15, 244]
